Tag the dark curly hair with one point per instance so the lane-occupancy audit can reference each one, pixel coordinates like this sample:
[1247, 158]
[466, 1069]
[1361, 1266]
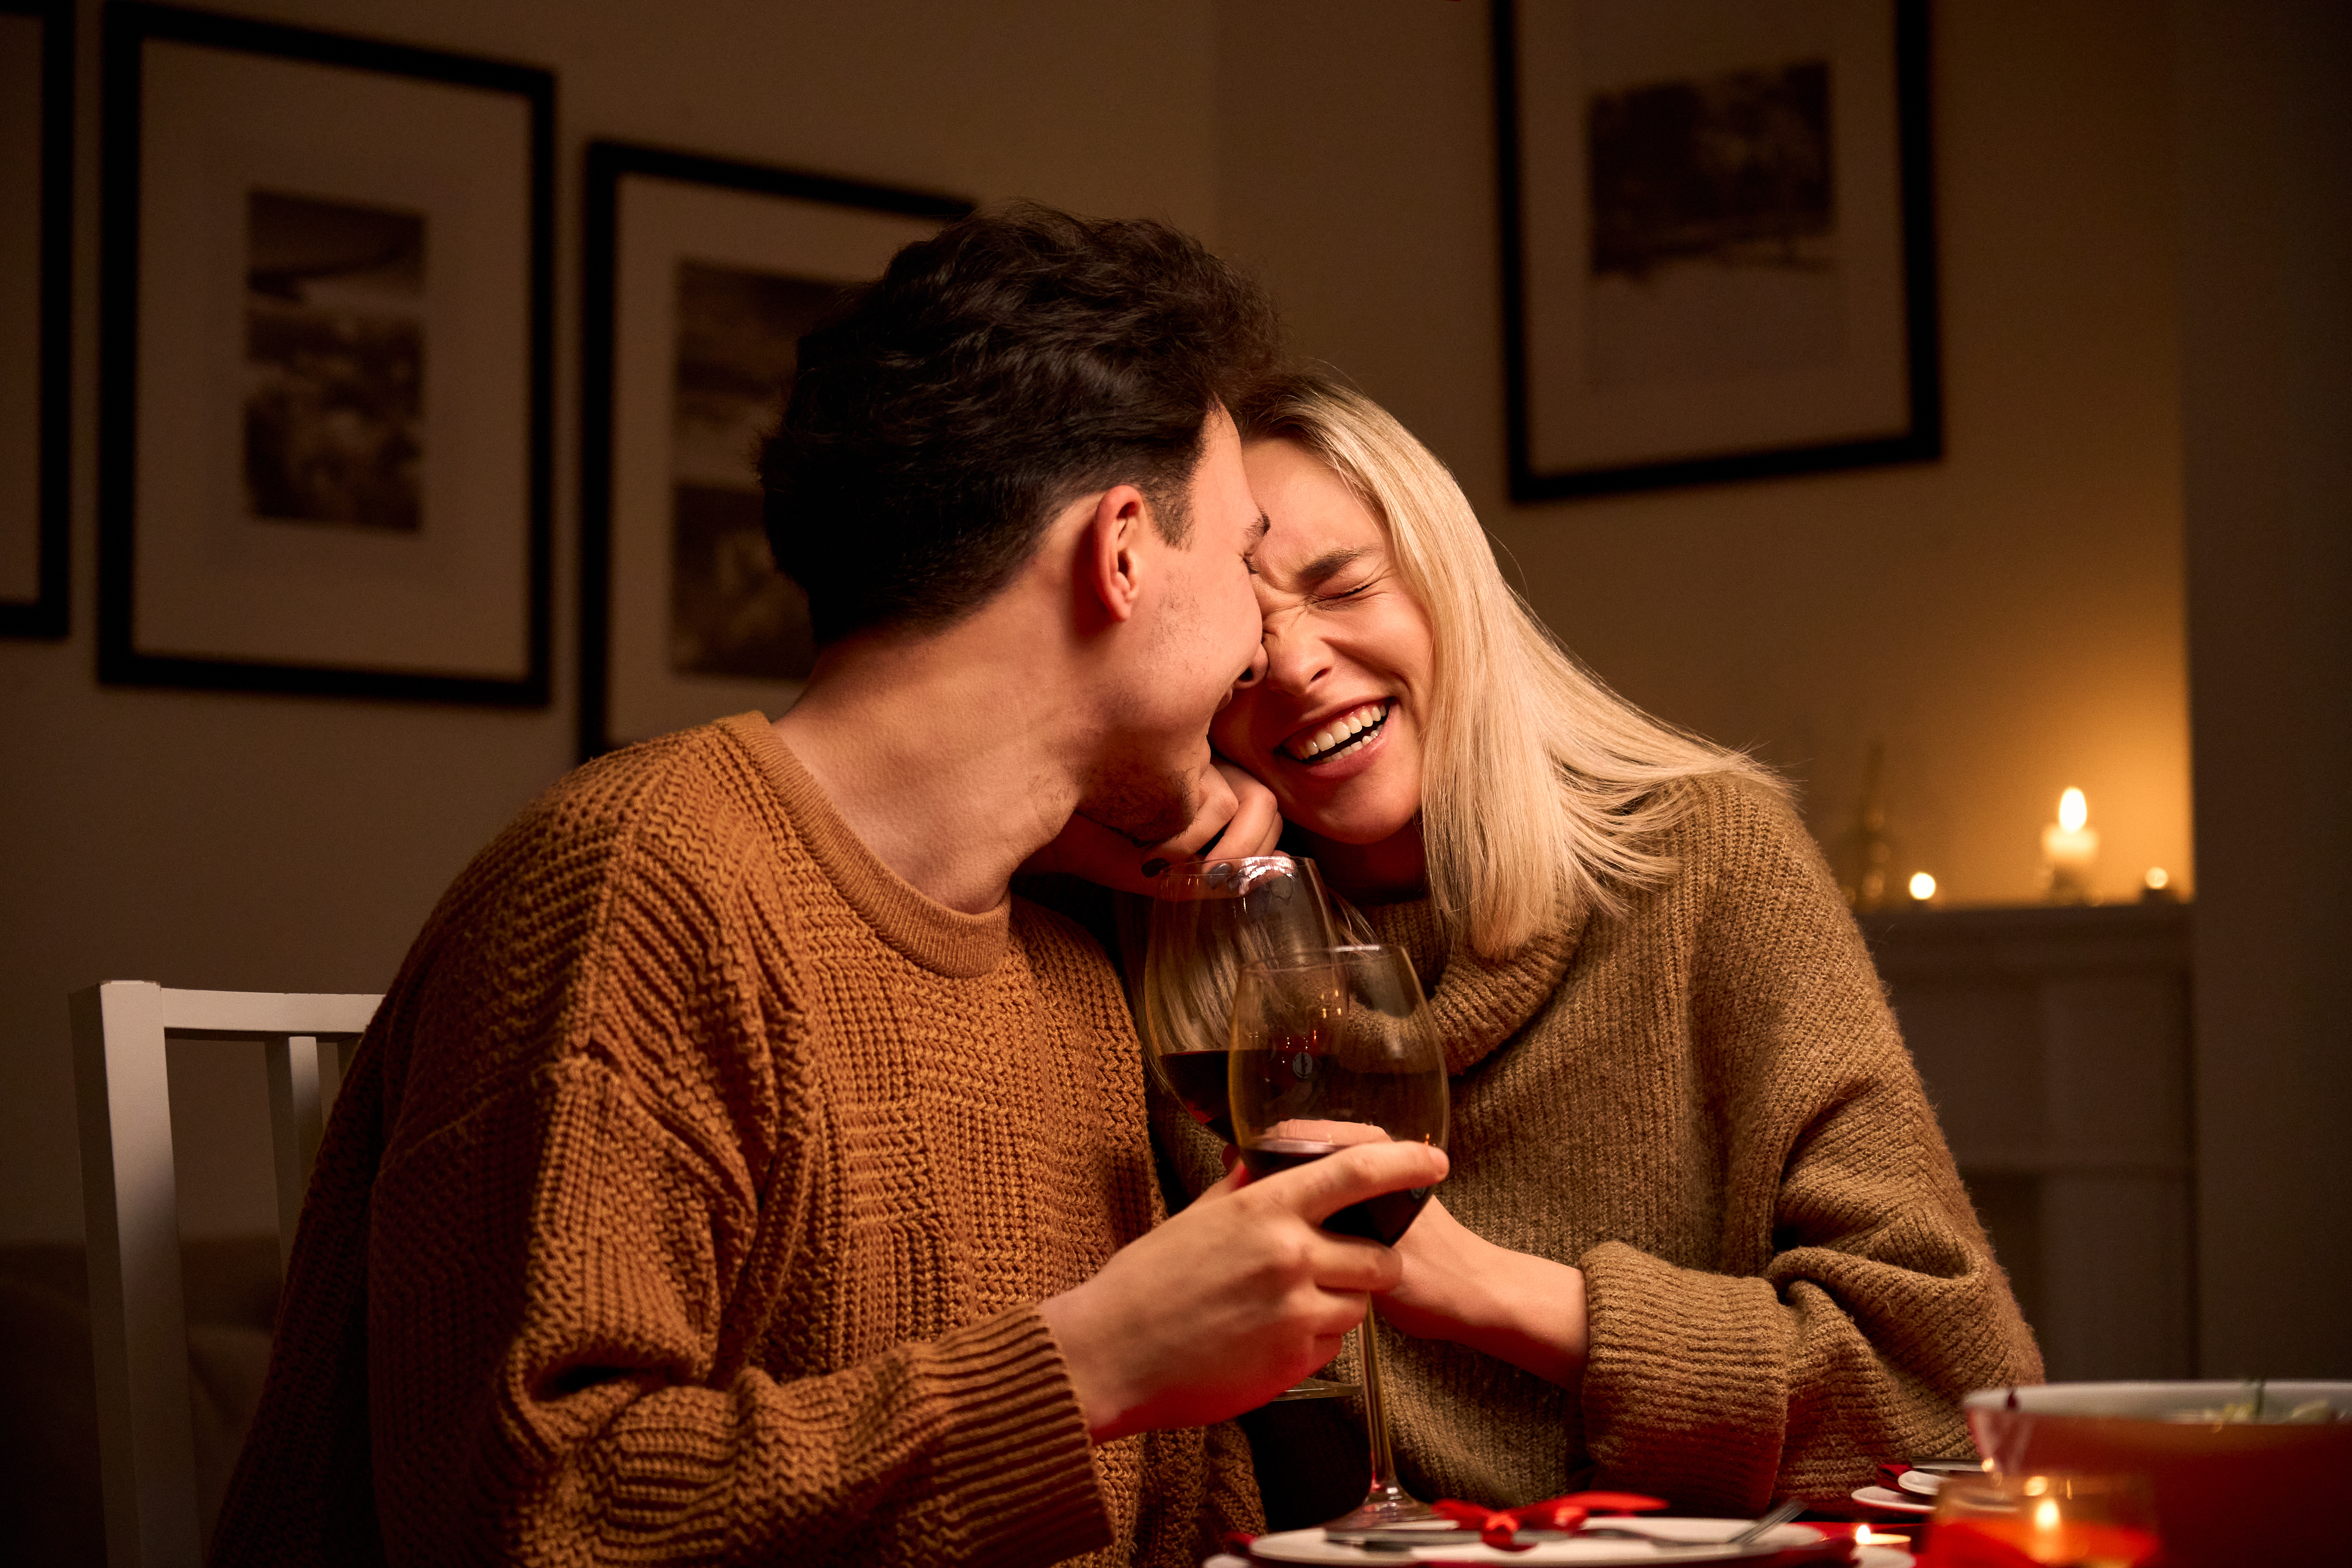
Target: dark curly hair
[942, 415]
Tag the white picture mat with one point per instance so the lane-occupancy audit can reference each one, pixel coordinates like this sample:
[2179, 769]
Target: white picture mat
[661, 222]
[1571, 48]
[451, 598]
[20, 307]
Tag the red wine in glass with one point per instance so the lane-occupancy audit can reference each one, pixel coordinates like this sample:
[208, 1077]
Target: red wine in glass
[1197, 1078]
[1384, 1218]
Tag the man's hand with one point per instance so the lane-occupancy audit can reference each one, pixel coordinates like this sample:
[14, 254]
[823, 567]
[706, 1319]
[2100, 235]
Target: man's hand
[1457, 1285]
[1237, 813]
[1233, 1300]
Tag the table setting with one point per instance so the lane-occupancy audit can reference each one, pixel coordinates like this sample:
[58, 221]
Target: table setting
[2116, 1474]
[1597, 1530]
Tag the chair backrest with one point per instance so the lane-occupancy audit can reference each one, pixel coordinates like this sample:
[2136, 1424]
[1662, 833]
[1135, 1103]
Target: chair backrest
[138, 1320]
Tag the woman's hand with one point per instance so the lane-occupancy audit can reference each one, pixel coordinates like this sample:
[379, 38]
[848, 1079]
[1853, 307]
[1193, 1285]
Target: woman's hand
[1514, 1306]
[1237, 814]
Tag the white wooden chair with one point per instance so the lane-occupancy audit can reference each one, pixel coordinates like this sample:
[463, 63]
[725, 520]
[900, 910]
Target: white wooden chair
[138, 1320]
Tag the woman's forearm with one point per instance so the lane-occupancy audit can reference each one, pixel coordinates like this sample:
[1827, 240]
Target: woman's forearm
[1535, 1319]
[1514, 1306]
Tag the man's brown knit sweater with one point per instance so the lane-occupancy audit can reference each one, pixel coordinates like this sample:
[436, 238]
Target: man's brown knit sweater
[1705, 1105]
[691, 1201]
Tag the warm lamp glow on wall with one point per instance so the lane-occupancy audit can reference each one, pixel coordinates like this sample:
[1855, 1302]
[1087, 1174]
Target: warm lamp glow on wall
[2069, 845]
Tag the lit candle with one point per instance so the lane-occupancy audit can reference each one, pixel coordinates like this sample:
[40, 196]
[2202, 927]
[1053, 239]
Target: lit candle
[2069, 845]
[1923, 886]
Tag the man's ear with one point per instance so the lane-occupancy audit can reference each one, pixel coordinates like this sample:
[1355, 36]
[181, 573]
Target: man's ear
[1110, 562]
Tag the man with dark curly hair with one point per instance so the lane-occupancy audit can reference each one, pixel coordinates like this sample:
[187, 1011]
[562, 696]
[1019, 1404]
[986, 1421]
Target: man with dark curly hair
[735, 1173]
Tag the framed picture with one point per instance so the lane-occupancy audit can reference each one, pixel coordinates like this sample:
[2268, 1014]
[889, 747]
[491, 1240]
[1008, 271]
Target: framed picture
[1718, 247]
[324, 373]
[36, 76]
[701, 275]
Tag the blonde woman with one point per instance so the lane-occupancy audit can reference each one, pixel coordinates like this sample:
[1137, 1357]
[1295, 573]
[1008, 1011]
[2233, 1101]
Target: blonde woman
[1702, 1236]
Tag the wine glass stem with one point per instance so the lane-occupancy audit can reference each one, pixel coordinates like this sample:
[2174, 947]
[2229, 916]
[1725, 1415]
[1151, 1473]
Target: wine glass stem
[1376, 1409]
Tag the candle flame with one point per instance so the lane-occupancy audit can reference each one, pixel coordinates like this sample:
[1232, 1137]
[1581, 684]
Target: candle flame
[1923, 886]
[2073, 810]
[2045, 1515]
[2158, 877]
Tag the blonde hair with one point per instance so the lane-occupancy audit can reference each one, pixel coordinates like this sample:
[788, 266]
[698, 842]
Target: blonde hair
[1540, 787]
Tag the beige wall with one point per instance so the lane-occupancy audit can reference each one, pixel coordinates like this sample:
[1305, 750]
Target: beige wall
[244, 841]
[2008, 620]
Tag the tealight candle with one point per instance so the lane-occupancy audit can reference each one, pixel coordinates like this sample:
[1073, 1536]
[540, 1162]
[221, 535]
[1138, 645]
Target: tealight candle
[2069, 845]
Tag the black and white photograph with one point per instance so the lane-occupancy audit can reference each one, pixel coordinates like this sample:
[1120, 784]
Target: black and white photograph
[36, 311]
[1717, 245]
[356, 237]
[1714, 225]
[702, 276]
[334, 353]
[731, 611]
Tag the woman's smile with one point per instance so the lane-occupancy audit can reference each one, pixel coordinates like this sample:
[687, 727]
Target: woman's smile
[1350, 736]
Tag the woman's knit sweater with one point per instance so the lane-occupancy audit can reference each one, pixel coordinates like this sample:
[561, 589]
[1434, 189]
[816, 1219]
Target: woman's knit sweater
[690, 1201]
[1704, 1104]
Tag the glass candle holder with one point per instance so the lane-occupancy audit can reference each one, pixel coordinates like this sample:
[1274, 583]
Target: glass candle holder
[2042, 1522]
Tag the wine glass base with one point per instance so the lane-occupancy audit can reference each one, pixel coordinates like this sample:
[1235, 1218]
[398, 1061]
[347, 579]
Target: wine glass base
[1382, 1507]
[1314, 1388]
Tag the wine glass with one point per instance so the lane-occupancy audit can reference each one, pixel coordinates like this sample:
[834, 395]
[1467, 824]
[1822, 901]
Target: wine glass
[1333, 1048]
[1210, 917]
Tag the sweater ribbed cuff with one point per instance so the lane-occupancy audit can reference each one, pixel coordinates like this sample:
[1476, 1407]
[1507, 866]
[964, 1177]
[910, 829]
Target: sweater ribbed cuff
[1686, 1380]
[1017, 1444]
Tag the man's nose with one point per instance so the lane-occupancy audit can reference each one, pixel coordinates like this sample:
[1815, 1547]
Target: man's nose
[1255, 672]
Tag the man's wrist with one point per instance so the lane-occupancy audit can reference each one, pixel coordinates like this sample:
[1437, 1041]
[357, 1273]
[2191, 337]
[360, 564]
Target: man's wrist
[1093, 1381]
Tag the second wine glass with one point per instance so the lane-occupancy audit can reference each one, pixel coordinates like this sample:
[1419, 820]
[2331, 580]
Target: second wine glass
[1329, 1048]
[1209, 918]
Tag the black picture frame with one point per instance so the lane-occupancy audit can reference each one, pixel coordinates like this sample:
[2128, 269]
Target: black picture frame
[48, 613]
[131, 28]
[606, 514]
[1913, 431]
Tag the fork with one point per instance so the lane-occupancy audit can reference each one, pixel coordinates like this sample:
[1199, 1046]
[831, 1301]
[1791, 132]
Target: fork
[1779, 1514]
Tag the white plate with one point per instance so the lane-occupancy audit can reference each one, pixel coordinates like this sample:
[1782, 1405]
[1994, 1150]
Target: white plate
[1925, 1483]
[1309, 1546]
[1891, 1502]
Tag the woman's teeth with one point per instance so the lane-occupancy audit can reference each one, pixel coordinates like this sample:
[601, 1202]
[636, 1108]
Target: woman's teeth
[1340, 733]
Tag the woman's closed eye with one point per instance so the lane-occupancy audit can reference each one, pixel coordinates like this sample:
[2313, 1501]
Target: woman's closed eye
[1341, 595]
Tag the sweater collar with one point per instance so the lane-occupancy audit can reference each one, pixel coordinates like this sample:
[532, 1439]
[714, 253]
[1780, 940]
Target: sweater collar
[942, 940]
[1476, 1003]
